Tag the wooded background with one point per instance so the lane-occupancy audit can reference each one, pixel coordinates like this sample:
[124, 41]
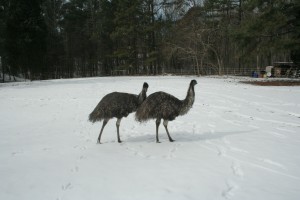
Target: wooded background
[46, 39]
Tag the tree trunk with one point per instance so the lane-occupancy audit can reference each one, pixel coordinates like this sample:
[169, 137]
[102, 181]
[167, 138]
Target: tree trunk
[197, 65]
[2, 67]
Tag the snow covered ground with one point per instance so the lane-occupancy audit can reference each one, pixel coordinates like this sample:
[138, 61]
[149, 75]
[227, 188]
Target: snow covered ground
[239, 141]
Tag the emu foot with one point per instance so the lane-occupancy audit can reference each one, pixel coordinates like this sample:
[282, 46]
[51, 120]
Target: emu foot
[158, 142]
[119, 141]
[171, 140]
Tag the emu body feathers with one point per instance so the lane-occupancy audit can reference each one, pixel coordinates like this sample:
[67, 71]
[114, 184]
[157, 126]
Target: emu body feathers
[114, 104]
[117, 105]
[161, 105]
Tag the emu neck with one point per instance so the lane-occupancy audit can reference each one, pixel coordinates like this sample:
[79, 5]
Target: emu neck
[188, 102]
[142, 96]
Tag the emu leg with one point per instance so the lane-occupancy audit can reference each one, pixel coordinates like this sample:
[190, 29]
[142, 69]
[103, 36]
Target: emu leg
[118, 125]
[103, 125]
[157, 125]
[166, 127]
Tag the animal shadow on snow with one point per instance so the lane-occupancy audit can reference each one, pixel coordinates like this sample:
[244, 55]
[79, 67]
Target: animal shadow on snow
[186, 136]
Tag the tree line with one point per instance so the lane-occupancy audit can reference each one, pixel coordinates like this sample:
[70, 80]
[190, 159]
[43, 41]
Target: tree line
[48, 39]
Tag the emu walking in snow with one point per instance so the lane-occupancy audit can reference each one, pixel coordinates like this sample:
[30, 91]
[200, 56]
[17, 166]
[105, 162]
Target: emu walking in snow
[161, 105]
[117, 105]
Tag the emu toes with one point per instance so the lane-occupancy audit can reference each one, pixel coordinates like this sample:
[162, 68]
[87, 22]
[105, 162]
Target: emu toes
[171, 140]
[158, 142]
[98, 142]
[119, 141]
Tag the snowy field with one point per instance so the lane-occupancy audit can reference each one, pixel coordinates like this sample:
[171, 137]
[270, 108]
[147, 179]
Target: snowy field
[239, 141]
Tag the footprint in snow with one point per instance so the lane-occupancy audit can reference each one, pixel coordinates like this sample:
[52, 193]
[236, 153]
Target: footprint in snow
[82, 157]
[221, 151]
[80, 147]
[172, 151]
[236, 169]
[228, 193]
[137, 152]
[66, 187]
[75, 169]
[16, 153]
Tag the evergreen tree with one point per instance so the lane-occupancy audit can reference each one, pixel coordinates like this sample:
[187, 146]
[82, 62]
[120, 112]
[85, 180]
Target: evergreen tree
[126, 34]
[294, 22]
[269, 30]
[78, 38]
[3, 18]
[106, 19]
[26, 38]
[55, 47]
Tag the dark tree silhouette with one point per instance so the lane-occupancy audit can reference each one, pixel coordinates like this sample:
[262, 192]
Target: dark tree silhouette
[117, 105]
[161, 105]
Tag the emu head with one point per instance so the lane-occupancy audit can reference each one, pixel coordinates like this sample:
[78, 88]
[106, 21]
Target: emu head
[142, 96]
[193, 83]
[145, 87]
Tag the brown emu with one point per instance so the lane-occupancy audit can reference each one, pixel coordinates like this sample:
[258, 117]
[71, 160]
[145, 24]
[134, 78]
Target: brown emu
[161, 105]
[117, 105]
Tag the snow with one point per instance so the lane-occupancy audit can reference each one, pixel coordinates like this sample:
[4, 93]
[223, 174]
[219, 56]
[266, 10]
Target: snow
[10, 78]
[239, 141]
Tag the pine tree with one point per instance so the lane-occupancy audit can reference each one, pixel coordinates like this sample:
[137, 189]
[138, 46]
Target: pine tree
[26, 38]
[106, 19]
[3, 18]
[55, 47]
[126, 34]
[269, 30]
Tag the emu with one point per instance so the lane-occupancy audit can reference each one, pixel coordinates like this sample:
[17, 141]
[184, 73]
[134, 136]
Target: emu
[161, 105]
[119, 105]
